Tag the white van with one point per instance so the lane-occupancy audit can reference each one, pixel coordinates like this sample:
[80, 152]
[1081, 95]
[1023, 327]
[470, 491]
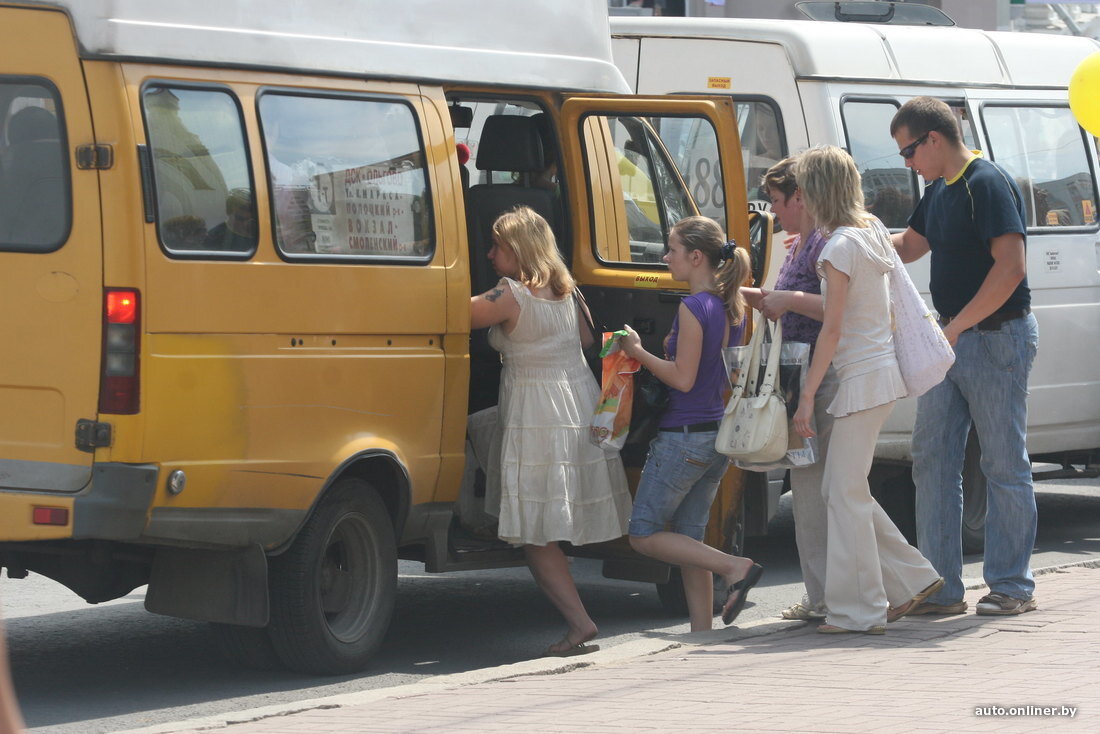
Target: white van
[803, 83]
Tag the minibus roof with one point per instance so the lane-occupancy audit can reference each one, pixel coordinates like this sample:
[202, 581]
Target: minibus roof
[898, 53]
[535, 43]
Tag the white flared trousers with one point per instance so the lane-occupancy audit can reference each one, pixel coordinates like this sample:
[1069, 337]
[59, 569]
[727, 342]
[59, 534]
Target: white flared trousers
[869, 564]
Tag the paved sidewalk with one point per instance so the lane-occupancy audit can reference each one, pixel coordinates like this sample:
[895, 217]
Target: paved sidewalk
[927, 674]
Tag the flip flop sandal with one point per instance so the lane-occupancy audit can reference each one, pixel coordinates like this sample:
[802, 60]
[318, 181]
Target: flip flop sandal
[581, 648]
[894, 614]
[734, 605]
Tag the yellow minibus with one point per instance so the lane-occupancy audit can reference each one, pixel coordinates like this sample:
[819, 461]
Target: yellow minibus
[238, 243]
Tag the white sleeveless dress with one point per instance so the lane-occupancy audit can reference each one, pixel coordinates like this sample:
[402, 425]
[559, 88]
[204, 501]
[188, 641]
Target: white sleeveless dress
[553, 483]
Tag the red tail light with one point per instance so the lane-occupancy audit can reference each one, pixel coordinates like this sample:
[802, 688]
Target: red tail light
[118, 385]
[50, 516]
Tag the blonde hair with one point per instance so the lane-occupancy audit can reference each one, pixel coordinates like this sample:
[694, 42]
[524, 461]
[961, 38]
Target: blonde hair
[730, 262]
[831, 188]
[540, 263]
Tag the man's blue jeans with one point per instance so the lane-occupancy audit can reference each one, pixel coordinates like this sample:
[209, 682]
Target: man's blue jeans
[987, 385]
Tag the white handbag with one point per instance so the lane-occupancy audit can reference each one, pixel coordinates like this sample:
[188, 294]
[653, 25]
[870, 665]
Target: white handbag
[754, 425]
[924, 355]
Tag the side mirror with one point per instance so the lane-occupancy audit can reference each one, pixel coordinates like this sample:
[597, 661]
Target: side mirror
[761, 226]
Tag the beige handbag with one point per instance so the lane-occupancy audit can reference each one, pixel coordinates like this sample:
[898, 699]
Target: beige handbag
[754, 426]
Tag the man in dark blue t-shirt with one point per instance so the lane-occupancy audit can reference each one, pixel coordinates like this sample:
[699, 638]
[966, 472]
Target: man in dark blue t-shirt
[973, 221]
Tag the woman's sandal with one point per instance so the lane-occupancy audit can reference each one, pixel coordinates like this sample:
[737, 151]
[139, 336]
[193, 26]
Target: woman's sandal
[896, 613]
[571, 649]
[739, 592]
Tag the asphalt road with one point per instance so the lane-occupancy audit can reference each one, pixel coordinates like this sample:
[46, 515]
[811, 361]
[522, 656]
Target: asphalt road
[84, 669]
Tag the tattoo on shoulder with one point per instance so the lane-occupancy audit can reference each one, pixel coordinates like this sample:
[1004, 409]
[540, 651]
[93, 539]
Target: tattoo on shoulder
[494, 294]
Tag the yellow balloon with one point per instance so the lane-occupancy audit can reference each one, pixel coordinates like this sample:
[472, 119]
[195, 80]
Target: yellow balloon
[1084, 93]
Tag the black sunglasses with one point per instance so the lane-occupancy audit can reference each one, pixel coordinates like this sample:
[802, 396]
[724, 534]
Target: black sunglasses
[910, 150]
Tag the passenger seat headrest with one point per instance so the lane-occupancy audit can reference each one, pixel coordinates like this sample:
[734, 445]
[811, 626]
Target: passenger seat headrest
[32, 123]
[510, 143]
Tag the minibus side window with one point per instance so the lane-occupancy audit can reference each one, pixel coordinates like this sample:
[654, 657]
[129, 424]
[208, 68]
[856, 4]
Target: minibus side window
[34, 174]
[204, 196]
[348, 178]
[1045, 151]
[889, 188]
[654, 196]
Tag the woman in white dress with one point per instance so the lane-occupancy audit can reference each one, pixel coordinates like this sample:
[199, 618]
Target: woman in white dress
[554, 484]
[869, 565]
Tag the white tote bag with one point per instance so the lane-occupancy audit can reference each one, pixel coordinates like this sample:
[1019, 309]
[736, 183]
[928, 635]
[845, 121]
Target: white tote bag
[923, 352]
[754, 425]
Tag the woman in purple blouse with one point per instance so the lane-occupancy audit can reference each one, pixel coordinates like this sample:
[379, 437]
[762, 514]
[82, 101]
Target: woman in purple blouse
[797, 301]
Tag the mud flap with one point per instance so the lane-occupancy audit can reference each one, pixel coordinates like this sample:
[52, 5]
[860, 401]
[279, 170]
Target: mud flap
[210, 586]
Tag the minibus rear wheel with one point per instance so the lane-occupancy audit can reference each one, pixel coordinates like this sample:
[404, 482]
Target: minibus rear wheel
[333, 591]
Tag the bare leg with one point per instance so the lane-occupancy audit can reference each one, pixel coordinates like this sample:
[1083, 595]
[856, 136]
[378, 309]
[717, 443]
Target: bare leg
[694, 558]
[550, 568]
[699, 592]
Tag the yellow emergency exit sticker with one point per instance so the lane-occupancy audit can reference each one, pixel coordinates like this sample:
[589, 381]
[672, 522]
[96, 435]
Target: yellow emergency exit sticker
[647, 281]
[1088, 211]
[718, 82]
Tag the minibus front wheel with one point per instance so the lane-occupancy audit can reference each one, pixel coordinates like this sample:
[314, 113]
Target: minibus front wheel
[333, 591]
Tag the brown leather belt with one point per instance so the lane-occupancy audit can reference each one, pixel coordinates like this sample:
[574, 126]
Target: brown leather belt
[994, 321]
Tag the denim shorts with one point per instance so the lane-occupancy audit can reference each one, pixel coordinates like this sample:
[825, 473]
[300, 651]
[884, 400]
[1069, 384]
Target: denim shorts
[678, 484]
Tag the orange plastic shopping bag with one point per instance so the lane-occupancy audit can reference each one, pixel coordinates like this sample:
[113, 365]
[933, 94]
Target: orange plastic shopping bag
[611, 419]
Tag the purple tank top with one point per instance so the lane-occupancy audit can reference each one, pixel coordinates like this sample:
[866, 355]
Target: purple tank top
[703, 403]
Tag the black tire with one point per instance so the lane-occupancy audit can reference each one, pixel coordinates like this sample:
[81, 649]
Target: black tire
[975, 500]
[671, 594]
[892, 487]
[249, 647]
[674, 600]
[333, 591]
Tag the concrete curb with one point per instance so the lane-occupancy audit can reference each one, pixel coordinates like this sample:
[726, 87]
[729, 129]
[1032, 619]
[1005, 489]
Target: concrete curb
[657, 642]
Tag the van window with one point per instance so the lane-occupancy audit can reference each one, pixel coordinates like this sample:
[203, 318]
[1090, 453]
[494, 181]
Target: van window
[347, 177]
[889, 188]
[654, 196]
[1045, 151]
[694, 149]
[204, 197]
[481, 110]
[762, 143]
[34, 175]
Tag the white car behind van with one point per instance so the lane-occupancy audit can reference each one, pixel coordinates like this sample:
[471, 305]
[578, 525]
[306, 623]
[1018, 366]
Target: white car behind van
[803, 83]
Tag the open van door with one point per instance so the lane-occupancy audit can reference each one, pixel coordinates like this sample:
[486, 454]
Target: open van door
[626, 194]
[631, 192]
[51, 259]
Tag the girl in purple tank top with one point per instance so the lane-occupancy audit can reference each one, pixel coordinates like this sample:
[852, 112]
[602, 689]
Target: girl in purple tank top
[682, 471]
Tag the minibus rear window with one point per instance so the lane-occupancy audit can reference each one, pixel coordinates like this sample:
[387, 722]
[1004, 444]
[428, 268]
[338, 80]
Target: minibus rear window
[204, 197]
[1044, 149]
[348, 178]
[34, 175]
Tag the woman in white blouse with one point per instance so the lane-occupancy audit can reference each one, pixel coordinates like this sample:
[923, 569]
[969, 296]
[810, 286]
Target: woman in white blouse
[872, 574]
